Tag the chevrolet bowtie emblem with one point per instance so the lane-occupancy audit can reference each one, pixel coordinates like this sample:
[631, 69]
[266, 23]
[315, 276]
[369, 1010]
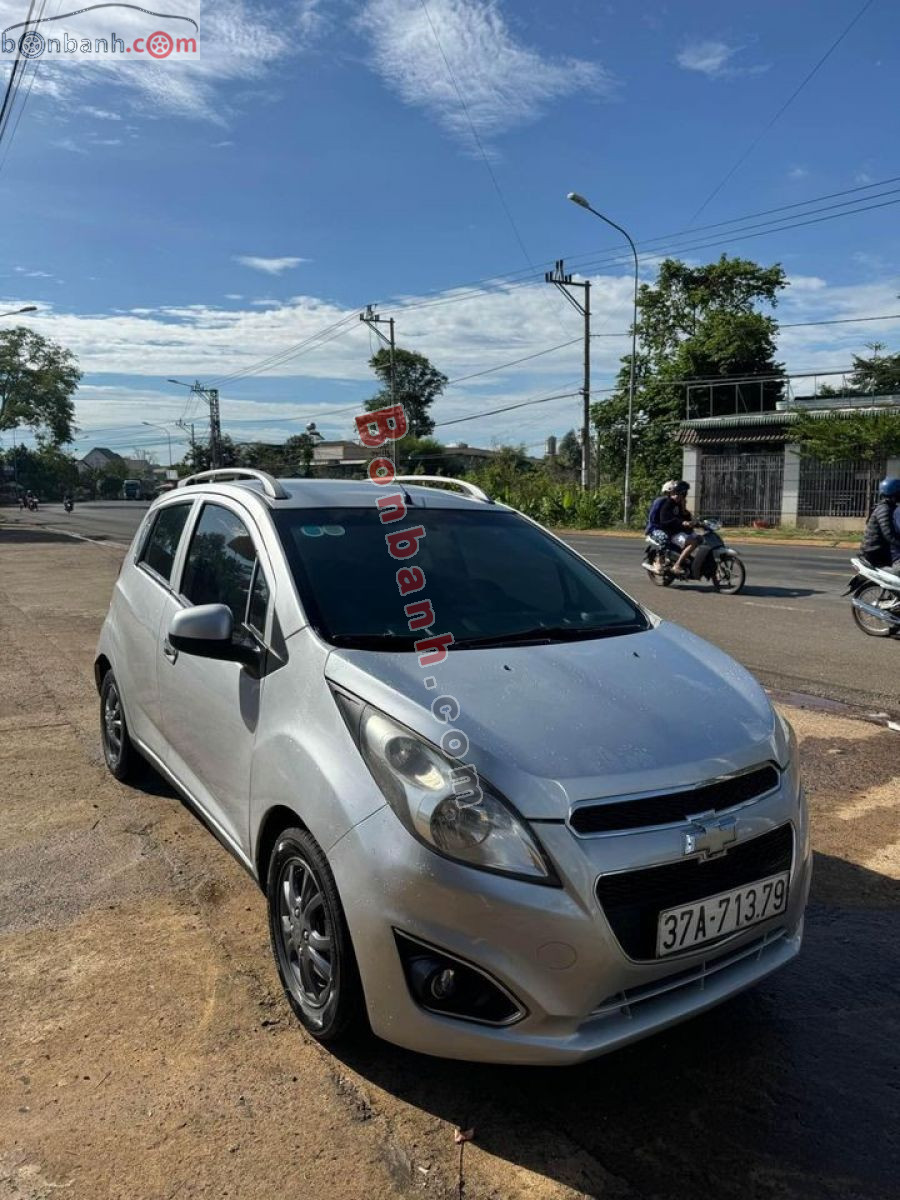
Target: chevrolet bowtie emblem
[710, 838]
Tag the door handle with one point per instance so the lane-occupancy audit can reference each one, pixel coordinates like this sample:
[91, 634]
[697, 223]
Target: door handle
[169, 651]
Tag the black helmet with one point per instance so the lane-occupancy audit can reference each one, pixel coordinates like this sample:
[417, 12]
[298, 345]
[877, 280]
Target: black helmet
[890, 488]
[681, 488]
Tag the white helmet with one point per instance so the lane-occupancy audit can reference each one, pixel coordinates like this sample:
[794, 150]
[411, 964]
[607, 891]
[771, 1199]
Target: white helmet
[669, 486]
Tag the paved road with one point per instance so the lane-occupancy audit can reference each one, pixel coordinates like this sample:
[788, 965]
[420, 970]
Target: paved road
[790, 626]
[146, 1050]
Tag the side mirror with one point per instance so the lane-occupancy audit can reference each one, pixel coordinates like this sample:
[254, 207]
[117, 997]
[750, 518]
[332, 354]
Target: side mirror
[207, 631]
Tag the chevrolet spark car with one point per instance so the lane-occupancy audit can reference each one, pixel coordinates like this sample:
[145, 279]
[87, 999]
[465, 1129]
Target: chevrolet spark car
[509, 815]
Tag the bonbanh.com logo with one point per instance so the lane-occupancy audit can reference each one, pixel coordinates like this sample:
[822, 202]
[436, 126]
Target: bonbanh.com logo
[26, 40]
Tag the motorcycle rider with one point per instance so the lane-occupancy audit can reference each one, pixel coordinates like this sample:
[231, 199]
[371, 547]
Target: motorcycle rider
[653, 516]
[677, 523]
[880, 546]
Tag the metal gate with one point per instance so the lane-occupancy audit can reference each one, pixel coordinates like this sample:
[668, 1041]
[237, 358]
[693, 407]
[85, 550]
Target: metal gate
[740, 488]
[838, 489]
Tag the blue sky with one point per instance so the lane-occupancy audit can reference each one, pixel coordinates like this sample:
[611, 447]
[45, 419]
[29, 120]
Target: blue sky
[191, 218]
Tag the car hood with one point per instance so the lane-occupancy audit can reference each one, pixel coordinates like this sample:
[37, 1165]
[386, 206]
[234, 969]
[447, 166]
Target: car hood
[551, 724]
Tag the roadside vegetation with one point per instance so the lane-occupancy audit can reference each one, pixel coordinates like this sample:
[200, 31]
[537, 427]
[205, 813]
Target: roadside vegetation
[712, 322]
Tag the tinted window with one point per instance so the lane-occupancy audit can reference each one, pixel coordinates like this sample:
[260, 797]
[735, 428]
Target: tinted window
[489, 575]
[220, 562]
[162, 544]
[259, 603]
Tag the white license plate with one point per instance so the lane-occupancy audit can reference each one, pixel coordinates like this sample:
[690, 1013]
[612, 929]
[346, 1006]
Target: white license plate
[692, 924]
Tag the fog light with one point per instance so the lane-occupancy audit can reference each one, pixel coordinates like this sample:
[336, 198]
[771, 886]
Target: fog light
[452, 987]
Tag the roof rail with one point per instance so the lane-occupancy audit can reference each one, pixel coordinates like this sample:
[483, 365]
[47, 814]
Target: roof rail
[271, 486]
[469, 488]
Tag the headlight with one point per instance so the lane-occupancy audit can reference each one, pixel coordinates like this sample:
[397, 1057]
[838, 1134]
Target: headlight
[433, 796]
[786, 741]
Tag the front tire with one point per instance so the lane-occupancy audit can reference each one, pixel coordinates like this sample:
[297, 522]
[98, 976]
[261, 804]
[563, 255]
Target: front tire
[310, 940]
[117, 748]
[731, 575]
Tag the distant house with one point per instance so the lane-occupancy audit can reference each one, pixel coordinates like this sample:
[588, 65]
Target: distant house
[743, 466]
[98, 459]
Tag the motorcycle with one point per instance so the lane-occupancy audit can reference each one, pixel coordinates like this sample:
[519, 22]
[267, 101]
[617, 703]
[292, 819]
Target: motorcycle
[68, 504]
[875, 599]
[712, 560]
[32, 504]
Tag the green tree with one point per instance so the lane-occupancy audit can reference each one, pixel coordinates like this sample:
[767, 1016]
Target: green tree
[875, 375]
[568, 451]
[694, 323]
[298, 453]
[38, 379]
[198, 457]
[417, 384]
[858, 437]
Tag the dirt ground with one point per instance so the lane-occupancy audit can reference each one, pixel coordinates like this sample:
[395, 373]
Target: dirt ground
[146, 1050]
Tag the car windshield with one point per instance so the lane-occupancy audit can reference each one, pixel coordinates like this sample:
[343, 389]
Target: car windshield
[492, 577]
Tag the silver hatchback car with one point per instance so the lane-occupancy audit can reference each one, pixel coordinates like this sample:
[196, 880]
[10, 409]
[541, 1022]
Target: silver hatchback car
[500, 811]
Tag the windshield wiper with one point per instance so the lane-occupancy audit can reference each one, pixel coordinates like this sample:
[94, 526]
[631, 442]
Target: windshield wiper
[544, 634]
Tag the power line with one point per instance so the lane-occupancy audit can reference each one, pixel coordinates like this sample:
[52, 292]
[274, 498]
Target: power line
[508, 408]
[25, 98]
[790, 100]
[477, 139]
[12, 84]
[515, 361]
[314, 340]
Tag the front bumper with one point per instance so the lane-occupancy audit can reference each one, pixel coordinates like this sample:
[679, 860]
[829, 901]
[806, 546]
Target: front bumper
[552, 948]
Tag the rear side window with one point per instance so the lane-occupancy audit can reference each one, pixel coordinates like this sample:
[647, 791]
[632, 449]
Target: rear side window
[160, 547]
[220, 562]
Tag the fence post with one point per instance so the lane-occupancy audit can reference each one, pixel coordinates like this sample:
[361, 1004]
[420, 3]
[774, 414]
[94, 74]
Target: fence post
[790, 490]
[690, 473]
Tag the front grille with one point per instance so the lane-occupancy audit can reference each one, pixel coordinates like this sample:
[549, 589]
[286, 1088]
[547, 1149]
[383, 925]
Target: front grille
[633, 900]
[644, 811]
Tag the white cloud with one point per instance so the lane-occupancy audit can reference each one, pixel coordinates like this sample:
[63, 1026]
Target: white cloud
[505, 83]
[233, 296]
[798, 172]
[238, 41]
[69, 144]
[461, 332]
[271, 266]
[712, 57]
[102, 114]
[32, 274]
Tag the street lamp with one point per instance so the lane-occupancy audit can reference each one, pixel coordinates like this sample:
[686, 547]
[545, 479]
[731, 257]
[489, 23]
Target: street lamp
[153, 425]
[16, 311]
[580, 200]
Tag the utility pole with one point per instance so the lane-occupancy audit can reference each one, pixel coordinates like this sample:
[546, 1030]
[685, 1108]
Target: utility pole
[564, 282]
[370, 318]
[188, 429]
[211, 397]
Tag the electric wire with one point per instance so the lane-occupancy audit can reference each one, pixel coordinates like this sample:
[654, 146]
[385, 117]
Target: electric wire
[784, 107]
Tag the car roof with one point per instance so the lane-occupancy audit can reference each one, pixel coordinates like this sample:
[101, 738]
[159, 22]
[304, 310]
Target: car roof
[333, 493]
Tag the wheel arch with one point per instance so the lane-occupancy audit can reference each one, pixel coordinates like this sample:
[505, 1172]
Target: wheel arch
[276, 819]
[102, 666]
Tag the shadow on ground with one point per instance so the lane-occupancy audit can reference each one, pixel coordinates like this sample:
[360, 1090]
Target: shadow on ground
[785, 1091]
[30, 533]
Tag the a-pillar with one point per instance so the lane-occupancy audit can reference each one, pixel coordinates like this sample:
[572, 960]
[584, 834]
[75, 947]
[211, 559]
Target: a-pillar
[790, 487]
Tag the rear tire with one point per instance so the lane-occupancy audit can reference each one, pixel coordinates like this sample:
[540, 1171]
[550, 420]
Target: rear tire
[310, 940]
[118, 751]
[871, 626]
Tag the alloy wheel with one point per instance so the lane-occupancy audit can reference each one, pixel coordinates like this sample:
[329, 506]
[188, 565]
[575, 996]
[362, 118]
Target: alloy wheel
[306, 937]
[112, 724]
